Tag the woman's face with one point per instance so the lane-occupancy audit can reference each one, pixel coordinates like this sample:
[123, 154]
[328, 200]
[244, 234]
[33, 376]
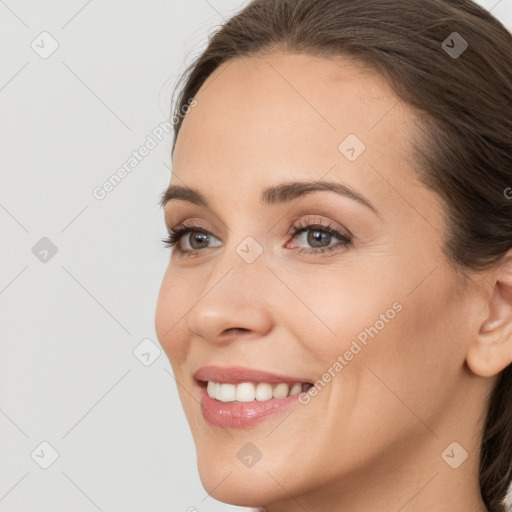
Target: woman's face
[375, 314]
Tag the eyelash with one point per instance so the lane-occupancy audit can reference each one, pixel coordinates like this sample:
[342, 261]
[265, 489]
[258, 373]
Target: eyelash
[177, 233]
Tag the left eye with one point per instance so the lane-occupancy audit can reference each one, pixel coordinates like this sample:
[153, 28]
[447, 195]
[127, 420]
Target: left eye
[319, 238]
[315, 237]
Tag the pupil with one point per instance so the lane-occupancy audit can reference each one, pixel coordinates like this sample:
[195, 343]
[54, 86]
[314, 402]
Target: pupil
[198, 237]
[317, 236]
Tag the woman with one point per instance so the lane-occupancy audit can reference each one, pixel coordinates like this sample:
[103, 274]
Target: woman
[337, 308]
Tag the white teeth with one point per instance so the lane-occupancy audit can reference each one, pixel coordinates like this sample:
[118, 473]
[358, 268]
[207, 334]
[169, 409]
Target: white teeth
[281, 390]
[227, 393]
[296, 389]
[263, 391]
[245, 392]
[248, 391]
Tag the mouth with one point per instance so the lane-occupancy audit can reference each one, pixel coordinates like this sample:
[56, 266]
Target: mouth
[239, 397]
[252, 391]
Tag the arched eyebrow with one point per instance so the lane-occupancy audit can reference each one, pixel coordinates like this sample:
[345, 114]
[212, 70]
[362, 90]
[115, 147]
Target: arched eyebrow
[275, 194]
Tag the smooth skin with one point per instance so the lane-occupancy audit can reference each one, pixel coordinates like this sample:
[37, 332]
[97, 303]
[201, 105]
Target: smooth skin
[373, 438]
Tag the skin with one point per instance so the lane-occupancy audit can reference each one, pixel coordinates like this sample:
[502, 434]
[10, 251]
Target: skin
[373, 437]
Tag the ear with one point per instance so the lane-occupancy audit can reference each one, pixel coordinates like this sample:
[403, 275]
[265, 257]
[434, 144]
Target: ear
[491, 351]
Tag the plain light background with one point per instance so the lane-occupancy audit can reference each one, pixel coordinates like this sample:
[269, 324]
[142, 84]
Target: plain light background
[73, 372]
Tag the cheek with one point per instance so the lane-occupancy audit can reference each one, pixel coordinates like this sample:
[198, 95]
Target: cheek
[412, 340]
[337, 305]
[396, 371]
[417, 358]
[170, 325]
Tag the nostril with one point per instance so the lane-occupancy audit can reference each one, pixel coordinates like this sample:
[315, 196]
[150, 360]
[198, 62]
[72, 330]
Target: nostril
[234, 330]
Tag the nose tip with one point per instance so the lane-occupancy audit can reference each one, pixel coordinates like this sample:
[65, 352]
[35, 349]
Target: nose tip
[234, 300]
[220, 317]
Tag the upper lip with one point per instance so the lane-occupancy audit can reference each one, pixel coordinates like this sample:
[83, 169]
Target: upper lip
[238, 374]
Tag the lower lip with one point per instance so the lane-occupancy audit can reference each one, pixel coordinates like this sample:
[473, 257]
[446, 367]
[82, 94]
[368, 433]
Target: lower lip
[241, 414]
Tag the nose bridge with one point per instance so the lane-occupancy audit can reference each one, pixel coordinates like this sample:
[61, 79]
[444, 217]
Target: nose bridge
[233, 296]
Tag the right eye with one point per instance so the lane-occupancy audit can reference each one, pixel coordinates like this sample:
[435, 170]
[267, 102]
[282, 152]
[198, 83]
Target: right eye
[196, 238]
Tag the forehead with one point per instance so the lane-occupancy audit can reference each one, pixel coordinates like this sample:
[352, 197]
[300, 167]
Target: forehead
[282, 116]
[326, 95]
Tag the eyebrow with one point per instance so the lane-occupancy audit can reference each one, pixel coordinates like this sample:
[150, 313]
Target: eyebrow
[276, 194]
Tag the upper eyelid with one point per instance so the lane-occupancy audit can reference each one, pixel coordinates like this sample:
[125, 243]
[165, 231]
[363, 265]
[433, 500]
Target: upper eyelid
[187, 223]
[168, 225]
[309, 219]
[296, 227]
[324, 223]
[303, 210]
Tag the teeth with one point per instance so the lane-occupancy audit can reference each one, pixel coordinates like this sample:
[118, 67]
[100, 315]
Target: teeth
[281, 390]
[245, 392]
[248, 391]
[296, 389]
[227, 393]
[263, 392]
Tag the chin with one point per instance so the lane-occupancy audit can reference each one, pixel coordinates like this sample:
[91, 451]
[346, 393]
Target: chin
[236, 485]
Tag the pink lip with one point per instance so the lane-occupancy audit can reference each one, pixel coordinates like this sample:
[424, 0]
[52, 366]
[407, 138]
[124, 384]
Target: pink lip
[241, 414]
[238, 374]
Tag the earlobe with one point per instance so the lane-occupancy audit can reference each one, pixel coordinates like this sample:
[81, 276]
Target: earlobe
[491, 350]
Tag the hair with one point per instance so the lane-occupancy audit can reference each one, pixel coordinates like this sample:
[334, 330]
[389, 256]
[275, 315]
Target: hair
[464, 103]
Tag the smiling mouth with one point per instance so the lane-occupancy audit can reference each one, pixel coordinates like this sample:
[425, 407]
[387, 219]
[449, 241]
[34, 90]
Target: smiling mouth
[253, 391]
[241, 397]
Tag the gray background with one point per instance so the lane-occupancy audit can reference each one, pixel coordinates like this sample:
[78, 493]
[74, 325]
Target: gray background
[70, 321]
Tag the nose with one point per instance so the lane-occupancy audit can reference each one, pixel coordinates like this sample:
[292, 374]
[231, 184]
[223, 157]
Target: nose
[233, 305]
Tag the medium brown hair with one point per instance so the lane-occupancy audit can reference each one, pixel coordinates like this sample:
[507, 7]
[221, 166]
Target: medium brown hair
[465, 104]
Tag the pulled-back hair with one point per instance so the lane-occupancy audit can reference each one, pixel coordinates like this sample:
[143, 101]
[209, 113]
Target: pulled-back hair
[464, 101]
